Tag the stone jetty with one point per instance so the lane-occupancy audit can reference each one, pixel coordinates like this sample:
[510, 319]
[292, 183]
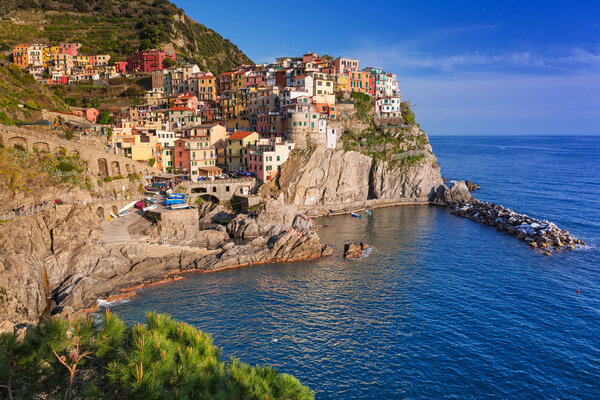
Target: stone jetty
[539, 234]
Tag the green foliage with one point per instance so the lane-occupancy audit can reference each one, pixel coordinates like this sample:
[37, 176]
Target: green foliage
[105, 118]
[69, 135]
[63, 167]
[133, 177]
[362, 104]
[108, 179]
[161, 359]
[119, 27]
[407, 113]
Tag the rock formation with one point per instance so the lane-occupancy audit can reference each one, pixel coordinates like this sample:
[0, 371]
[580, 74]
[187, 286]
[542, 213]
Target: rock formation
[269, 219]
[456, 193]
[537, 233]
[330, 176]
[56, 262]
[354, 250]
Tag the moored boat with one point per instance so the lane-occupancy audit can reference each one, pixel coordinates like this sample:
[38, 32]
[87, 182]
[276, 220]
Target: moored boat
[356, 215]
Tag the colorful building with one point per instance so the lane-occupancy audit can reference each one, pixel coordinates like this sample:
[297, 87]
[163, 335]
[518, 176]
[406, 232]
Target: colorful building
[237, 147]
[149, 60]
[265, 159]
[191, 155]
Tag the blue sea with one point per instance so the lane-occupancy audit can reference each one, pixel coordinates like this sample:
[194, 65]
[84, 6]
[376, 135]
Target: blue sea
[443, 307]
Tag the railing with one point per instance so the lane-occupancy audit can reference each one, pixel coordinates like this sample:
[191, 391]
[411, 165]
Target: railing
[38, 208]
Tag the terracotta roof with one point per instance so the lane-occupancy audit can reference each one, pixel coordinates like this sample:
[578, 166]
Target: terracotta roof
[240, 135]
[228, 73]
[180, 109]
[300, 77]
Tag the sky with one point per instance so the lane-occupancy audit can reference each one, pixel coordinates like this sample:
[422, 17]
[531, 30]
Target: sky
[469, 67]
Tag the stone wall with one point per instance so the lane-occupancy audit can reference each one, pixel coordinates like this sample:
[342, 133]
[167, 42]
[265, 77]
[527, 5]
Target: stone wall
[100, 163]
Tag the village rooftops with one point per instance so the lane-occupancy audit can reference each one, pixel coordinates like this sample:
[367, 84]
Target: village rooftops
[180, 109]
[239, 135]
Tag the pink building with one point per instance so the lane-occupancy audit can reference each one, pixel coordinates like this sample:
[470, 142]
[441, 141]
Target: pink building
[310, 57]
[69, 48]
[266, 157]
[188, 101]
[343, 65]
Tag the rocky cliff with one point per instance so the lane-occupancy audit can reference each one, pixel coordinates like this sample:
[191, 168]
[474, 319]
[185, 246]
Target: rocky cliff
[58, 261]
[323, 176]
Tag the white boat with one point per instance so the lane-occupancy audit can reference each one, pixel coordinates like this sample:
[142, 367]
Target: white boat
[128, 209]
[178, 206]
[150, 207]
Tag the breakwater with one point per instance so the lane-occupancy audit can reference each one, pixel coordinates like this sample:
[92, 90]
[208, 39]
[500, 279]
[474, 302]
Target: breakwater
[539, 234]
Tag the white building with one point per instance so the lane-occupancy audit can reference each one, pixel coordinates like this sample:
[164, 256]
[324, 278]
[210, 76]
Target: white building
[330, 133]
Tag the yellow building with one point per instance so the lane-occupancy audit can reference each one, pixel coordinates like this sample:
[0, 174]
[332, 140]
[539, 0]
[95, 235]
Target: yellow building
[341, 83]
[207, 87]
[48, 54]
[237, 148]
[322, 84]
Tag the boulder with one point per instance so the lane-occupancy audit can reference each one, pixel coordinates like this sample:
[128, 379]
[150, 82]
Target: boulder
[269, 219]
[471, 185]
[354, 250]
[456, 193]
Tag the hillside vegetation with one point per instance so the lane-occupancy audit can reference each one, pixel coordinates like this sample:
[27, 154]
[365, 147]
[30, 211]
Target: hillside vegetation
[160, 360]
[22, 97]
[116, 27]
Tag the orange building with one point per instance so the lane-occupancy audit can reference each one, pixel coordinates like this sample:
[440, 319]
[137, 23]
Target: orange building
[20, 55]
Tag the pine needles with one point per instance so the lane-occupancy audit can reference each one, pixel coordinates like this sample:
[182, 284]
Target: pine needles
[159, 360]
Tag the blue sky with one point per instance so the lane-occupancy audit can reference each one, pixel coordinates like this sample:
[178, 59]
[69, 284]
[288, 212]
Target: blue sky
[470, 67]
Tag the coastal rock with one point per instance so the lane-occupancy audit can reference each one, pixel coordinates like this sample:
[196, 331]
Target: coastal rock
[269, 219]
[354, 250]
[335, 177]
[537, 233]
[456, 193]
[471, 185]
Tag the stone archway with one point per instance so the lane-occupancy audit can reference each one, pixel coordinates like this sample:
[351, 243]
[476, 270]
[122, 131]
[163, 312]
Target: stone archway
[102, 168]
[41, 147]
[115, 168]
[18, 142]
[115, 211]
[60, 150]
[128, 168]
[100, 212]
[210, 197]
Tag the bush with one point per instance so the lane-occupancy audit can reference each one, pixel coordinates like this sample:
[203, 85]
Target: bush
[69, 135]
[161, 359]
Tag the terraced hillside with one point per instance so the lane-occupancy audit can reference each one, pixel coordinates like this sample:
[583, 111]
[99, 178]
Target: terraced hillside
[22, 98]
[116, 27]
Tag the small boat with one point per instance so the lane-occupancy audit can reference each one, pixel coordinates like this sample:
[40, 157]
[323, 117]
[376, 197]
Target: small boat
[125, 213]
[356, 215]
[171, 202]
[151, 189]
[368, 212]
[151, 199]
[177, 196]
[128, 209]
[151, 207]
[178, 206]
[140, 205]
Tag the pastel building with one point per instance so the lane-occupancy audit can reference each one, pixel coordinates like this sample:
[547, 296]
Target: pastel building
[343, 65]
[237, 148]
[149, 60]
[195, 157]
[388, 107]
[265, 159]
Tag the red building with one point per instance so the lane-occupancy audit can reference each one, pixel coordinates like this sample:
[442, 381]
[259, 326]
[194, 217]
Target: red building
[149, 60]
[121, 67]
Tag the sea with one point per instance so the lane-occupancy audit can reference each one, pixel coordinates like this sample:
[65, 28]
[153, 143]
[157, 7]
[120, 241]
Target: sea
[443, 307]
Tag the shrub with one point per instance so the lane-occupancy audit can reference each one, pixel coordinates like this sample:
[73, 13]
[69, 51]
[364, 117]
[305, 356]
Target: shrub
[161, 359]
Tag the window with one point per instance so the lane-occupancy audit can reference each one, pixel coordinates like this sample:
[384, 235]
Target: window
[214, 189]
[278, 158]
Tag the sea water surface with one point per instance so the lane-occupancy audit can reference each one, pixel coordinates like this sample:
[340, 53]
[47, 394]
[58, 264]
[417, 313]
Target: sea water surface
[444, 307]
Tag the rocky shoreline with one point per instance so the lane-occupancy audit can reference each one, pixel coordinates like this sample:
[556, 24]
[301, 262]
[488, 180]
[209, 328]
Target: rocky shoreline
[539, 234]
